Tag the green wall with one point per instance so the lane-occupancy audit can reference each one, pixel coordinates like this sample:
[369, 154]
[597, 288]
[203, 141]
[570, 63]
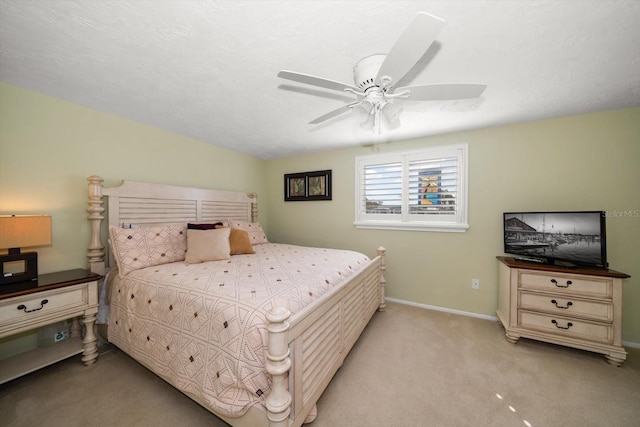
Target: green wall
[48, 147]
[588, 162]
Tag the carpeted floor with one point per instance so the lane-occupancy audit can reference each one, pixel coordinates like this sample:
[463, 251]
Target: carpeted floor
[411, 367]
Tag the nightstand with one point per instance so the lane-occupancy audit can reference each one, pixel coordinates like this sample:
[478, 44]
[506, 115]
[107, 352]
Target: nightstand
[52, 298]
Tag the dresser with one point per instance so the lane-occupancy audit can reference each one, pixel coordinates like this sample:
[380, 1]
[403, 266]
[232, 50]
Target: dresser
[575, 307]
[54, 297]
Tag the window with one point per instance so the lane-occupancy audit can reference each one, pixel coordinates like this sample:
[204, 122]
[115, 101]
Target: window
[415, 190]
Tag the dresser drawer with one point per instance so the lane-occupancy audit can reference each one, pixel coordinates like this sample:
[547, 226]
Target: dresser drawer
[565, 283]
[34, 307]
[564, 326]
[566, 305]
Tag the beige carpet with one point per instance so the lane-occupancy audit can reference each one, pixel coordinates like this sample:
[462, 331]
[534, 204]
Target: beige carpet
[411, 367]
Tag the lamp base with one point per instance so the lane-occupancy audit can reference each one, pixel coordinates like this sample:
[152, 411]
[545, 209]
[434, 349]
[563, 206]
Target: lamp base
[18, 267]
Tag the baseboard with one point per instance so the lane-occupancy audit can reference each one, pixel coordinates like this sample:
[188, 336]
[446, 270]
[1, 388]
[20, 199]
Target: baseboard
[443, 309]
[476, 315]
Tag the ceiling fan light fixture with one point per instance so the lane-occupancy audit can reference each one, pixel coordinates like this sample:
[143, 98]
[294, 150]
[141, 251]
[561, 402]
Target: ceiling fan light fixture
[378, 113]
[369, 122]
[365, 106]
[391, 112]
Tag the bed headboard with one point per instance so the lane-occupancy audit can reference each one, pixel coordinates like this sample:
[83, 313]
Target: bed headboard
[142, 203]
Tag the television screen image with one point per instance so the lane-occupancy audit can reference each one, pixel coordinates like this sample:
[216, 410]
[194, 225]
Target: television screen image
[562, 238]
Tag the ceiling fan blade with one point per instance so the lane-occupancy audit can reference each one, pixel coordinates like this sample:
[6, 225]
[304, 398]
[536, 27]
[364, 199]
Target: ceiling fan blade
[313, 80]
[410, 47]
[334, 113]
[443, 92]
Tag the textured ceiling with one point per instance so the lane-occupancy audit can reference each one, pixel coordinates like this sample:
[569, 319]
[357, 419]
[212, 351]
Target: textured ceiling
[208, 69]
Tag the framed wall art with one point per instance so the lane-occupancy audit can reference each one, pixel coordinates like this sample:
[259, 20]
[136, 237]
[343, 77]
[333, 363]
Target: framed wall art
[305, 186]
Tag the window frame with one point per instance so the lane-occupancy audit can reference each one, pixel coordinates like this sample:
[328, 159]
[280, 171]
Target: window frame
[405, 220]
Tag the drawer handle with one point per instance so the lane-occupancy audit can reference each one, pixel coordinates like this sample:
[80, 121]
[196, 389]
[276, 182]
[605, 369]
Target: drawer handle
[561, 327]
[555, 282]
[24, 307]
[569, 304]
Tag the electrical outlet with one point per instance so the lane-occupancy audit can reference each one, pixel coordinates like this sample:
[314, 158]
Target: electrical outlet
[475, 283]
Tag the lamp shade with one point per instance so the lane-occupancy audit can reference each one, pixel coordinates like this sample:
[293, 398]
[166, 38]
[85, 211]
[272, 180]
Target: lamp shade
[22, 231]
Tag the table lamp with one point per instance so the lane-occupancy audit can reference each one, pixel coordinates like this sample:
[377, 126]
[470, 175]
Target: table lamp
[22, 231]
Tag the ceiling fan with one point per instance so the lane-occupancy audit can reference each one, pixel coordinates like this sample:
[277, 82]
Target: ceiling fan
[376, 77]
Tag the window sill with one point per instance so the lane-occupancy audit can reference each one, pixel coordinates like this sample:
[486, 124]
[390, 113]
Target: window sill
[412, 226]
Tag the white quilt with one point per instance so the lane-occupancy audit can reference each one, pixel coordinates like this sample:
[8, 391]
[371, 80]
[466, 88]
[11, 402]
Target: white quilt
[203, 326]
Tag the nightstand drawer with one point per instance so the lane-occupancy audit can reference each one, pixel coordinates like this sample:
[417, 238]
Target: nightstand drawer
[34, 307]
[568, 327]
[565, 283]
[566, 305]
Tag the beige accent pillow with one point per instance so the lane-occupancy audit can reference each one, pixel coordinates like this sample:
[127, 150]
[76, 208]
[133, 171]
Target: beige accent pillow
[207, 245]
[256, 235]
[136, 248]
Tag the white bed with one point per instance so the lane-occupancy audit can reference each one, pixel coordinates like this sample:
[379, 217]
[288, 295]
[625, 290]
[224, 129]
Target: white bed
[302, 341]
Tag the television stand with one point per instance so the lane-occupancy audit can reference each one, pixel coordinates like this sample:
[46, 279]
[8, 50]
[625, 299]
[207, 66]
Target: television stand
[530, 259]
[579, 307]
[564, 264]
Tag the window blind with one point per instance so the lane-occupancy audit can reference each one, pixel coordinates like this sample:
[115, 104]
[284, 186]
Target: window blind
[422, 189]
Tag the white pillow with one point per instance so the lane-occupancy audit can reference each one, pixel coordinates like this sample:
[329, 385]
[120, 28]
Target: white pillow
[136, 248]
[207, 245]
[256, 235]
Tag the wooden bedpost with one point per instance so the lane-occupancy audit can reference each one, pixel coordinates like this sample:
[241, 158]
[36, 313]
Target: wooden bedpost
[95, 252]
[278, 363]
[383, 281]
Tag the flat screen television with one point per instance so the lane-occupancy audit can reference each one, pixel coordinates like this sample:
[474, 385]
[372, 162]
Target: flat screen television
[560, 238]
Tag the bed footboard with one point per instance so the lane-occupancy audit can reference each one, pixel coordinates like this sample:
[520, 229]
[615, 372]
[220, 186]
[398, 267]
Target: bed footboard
[306, 350]
[278, 363]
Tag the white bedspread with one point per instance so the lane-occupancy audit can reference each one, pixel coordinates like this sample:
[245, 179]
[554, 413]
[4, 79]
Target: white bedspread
[203, 327]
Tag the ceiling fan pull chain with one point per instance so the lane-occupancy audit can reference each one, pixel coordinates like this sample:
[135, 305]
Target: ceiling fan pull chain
[376, 118]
